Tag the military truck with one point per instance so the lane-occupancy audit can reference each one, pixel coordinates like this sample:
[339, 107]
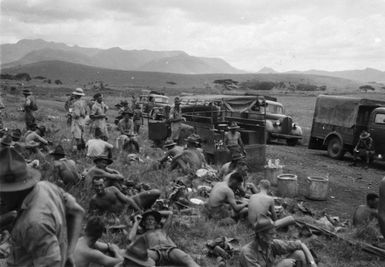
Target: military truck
[210, 115]
[279, 126]
[339, 120]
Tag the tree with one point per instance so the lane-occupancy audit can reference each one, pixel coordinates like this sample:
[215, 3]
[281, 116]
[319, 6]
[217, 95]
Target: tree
[367, 87]
[22, 77]
[58, 82]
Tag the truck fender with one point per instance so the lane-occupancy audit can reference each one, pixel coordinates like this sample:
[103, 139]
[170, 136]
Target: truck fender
[269, 126]
[330, 135]
[296, 131]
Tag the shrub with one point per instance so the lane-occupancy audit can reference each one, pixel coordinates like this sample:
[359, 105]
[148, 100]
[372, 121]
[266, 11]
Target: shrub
[23, 77]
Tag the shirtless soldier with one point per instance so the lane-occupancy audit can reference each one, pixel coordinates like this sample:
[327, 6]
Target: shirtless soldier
[109, 199]
[222, 198]
[91, 251]
[261, 204]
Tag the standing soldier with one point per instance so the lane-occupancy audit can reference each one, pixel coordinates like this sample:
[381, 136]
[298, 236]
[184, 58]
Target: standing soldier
[29, 107]
[68, 106]
[78, 115]
[1, 117]
[233, 139]
[176, 120]
[98, 114]
[138, 118]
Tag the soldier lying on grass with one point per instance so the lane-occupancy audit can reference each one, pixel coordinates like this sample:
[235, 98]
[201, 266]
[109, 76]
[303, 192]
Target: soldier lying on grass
[160, 246]
[111, 199]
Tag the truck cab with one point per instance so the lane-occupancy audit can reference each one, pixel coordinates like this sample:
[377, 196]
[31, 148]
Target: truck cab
[339, 120]
[376, 129]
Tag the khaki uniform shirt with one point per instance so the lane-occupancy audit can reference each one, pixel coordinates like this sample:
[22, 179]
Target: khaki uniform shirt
[252, 255]
[39, 237]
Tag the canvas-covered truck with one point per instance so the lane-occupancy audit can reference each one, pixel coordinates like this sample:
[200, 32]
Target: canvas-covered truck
[210, 115]
[339, 120]
[279, 126]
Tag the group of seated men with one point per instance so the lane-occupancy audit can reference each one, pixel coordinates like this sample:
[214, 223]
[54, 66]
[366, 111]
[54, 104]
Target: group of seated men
[149, 241]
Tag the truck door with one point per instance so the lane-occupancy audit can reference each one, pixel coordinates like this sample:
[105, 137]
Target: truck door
[377, 130]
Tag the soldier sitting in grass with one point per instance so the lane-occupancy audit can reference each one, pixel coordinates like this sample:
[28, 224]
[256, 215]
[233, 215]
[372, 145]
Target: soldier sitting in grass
[237, 159]
[264, 250]
[222, 202]
[34, 140]
[109, 199]
[98, 147]
[191, 158]
[101, 170]
[261, 204]
[64, 170]
[160, 246]
[172, 151]
[366, 213]
[91, 251]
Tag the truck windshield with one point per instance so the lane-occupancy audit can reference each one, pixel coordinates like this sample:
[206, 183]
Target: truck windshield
[161, 100]
[274, 109]
[379, 119]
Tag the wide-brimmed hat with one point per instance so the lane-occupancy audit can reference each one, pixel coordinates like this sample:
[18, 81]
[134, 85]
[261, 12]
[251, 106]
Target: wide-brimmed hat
[15, 175]
[6, 140]
[169, 143]
[364, 135]
[137, 253]
[97, 95]
[156, 214]
[233, 125]
[109, 161]
[16, 134]
[59, 151]
[194, 138]
[263, 224]
[27, 92]
[78, 91]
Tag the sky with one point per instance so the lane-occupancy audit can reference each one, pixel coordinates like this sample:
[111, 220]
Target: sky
[249, 34]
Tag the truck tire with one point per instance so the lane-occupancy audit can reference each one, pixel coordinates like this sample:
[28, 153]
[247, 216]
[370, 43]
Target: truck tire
[291, 142]
[335, 148]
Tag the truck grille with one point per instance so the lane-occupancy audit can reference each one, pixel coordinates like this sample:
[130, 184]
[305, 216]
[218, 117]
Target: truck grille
[286, 125]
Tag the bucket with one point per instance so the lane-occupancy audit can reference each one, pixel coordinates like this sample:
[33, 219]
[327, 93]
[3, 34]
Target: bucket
[271, 174]
[317, 187]
[287, 185]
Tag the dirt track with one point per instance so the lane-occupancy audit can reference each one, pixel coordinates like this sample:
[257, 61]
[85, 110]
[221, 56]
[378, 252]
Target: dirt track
[348, 185]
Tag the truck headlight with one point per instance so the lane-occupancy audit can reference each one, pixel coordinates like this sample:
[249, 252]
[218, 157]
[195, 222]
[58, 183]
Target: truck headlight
[294, 126]
[276, 123]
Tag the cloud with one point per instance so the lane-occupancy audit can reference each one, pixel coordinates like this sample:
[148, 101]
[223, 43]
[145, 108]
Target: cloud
[249, 34]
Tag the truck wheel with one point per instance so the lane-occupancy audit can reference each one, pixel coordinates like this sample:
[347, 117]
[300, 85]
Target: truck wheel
[335, 148]
[291, 142]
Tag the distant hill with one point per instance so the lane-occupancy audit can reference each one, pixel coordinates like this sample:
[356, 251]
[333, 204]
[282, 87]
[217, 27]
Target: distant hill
[33, 51]
[186, 64]
[365, 75]
[77, 74]
[267, 70]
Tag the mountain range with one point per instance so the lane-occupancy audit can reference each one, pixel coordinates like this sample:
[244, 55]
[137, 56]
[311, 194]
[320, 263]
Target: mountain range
[32, 51]
[28, 51]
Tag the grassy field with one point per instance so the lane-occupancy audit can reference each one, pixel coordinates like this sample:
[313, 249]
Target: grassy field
[189, 232]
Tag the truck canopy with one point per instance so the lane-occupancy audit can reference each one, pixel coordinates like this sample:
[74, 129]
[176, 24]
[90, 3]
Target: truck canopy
[340, 110]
